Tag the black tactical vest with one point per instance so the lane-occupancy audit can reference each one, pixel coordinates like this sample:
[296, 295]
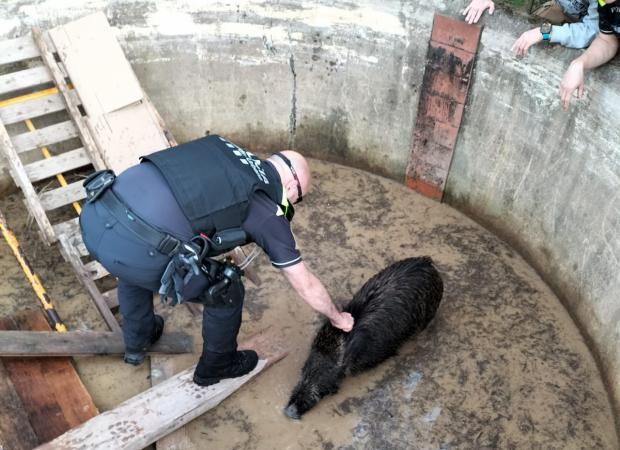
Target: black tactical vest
[213, 180]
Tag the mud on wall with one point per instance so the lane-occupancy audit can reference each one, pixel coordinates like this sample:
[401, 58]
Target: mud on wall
[339, 80]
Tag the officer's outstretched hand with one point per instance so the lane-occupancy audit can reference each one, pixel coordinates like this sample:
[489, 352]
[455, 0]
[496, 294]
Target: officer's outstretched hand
[344, 321]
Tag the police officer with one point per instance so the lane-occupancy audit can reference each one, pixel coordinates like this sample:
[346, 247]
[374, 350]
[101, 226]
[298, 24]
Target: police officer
[149, 226]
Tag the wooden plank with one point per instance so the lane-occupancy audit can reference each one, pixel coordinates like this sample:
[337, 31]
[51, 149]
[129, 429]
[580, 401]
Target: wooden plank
[164, 367]
[449, 64]
[72, 229]
[90, 52]
[44, 136]
[19, 49]
[49, 388]
[95, 270]
[71, 255]
[62, 196]
[49, 167]
[77, 343]
[16, 433]
[46, 49]
[21, 179]
[154, 413]
[123, 136]
[23, 79]
[111, 298]
[30, 109]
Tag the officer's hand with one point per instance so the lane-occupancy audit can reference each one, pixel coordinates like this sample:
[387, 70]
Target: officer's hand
[344, 321]
[572, 81]
[526, 40]
[475, 9]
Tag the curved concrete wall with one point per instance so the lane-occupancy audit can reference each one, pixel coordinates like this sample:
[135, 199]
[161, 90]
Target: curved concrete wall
[340, 81]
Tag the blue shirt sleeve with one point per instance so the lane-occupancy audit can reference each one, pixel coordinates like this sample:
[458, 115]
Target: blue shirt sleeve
[580, 34]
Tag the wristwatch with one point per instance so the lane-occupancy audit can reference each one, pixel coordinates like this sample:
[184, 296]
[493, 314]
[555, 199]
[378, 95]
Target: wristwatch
[545, 30]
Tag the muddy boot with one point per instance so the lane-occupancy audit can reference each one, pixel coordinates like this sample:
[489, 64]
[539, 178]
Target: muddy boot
[230, 366]
[135, 357]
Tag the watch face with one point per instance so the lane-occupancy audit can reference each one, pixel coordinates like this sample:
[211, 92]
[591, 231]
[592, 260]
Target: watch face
[545, 28]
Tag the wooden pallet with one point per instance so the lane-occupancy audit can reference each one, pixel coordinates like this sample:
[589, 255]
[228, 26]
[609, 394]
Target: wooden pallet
[43, 91]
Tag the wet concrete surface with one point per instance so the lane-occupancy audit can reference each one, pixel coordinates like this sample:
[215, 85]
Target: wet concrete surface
[502, 366]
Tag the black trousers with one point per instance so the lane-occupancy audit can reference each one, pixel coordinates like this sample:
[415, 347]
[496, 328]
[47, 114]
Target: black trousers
[139, 268]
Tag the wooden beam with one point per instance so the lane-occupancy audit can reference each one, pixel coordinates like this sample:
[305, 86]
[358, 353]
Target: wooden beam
[162, 409]
[21, 179]
[71, 254]
[23, 79]
[46, 48]
[49, 167]
[44, 136]
[78, 343]
[62, 196]
[31, 108]
[19, 49]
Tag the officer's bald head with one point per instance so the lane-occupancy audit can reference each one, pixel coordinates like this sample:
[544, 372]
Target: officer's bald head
[300, 168]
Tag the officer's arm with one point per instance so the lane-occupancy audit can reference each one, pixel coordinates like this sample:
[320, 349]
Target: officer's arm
[312, 291]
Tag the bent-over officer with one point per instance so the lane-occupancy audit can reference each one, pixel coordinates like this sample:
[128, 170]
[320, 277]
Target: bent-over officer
[157, 226]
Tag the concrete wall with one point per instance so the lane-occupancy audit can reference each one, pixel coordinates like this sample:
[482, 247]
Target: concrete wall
[339, 80]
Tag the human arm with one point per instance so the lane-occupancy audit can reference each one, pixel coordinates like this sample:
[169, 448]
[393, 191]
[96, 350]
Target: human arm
[526, 40]
[312, 291]
[603, 48]
[476, 8]
[579, 34]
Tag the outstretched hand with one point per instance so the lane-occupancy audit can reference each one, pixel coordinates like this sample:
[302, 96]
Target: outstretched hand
[476, 8]
[572, 81]
[344, 321]
[526, 40]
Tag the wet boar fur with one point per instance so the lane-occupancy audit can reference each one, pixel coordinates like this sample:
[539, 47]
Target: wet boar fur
[392, 306]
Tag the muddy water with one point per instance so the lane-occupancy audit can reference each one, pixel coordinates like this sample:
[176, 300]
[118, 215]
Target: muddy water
[502, 365]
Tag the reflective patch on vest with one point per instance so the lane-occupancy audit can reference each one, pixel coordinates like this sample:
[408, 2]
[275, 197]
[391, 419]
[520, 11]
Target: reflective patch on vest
[247, 158]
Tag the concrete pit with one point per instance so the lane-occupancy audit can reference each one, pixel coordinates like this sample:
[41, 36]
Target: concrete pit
[501, 366]
[524, 352]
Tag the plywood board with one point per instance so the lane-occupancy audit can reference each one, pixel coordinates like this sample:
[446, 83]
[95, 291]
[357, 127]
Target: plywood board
[125, 135]
[96, 64]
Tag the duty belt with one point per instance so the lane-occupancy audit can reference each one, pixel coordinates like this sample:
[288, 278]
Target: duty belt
[163, 242]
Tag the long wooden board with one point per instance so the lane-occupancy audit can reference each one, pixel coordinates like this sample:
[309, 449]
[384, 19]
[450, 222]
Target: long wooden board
[449, 65]
[45, 136]
[18, 49]
[49, 388]
[23, 79]
[75, 343]
[162, 409]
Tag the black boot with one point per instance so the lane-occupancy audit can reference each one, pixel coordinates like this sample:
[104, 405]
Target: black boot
[233, 366]
[135, 357]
